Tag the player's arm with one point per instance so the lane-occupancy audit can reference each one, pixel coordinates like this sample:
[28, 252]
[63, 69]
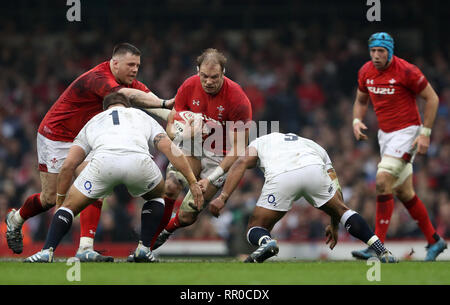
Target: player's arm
[235, 174]
[74, 158]
[179, 161]
[359, 111]
[431, 106]
[141, 99]
[239, 141]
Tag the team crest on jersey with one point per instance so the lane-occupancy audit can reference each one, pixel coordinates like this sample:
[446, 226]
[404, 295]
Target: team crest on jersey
[221, 109]
[392, 81]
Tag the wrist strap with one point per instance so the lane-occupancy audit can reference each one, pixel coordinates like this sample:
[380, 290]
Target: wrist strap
[218, 171]
[356, 120]
[425, 131]
[163, 104]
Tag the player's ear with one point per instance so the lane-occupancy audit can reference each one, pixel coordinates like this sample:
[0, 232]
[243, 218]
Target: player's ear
[223, 71]
[198, 69]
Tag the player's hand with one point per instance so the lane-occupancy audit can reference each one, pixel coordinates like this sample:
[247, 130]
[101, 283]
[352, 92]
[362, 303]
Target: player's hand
[331, 233]
[203, 183]
[198, 196]
[216, 205]
[422, 143]
[357, 127]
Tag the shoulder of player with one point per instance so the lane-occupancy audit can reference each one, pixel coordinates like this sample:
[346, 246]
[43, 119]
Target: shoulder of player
[234, 91]
[406, 66]
[365, 68]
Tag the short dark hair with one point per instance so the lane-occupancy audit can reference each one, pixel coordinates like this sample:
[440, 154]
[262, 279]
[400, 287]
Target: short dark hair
[116, 98]
[124, 48]
[212, 54]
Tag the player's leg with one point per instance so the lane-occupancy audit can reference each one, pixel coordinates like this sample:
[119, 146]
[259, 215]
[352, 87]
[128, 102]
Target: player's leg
[89, 219]
[355, 225]
[175, 222]
[405, 193]
[33, 205]
[151, 218]
[61, 223]
[259, 226]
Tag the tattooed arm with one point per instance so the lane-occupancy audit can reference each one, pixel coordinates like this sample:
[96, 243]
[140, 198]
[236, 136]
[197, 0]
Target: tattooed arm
[179, 161]
[142, 99]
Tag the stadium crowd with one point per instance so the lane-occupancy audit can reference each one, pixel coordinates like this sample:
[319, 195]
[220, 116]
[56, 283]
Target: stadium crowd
[304, 76]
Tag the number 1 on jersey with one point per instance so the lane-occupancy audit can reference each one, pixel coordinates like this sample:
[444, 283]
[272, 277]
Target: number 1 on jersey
[115, 117]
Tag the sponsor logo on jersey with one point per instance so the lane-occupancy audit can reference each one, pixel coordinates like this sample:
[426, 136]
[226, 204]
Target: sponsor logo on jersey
[194, 102]
[377, 90]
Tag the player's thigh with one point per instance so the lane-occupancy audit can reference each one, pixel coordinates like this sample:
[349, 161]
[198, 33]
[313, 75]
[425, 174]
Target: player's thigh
[143, 177]
[405, 190]
[76, 201]
[48, 192]
[334, 207]
[262, 217]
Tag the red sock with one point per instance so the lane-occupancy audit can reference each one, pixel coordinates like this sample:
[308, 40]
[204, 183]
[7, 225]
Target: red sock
[385, 207]
[32, 207]
[174, 223]
[168, 208]
[89, 219]
[419, 213]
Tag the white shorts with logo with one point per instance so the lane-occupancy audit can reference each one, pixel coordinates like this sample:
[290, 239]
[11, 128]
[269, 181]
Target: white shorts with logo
[51, 154]
[398, 143]
[310, 182]
[138, 172]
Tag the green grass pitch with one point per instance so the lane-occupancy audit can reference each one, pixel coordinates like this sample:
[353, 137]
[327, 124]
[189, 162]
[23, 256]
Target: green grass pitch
[227, 272]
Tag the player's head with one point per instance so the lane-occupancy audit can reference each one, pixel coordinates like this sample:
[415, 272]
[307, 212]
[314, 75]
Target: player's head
[381, 48]
[125, 62]
[116, 98]
[211, 70]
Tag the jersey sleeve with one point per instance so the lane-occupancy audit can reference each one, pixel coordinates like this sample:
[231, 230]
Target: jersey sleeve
[241, 109]
[181, 99]
[155, 128]
[415, 80]
[362, 80]
[103, 85]
[140, 86]
[82, 140]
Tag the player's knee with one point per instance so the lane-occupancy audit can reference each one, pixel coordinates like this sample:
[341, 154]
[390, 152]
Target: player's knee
[186, 218]
[172, 188]
[404, 194]
[382, 183]
[48, 199]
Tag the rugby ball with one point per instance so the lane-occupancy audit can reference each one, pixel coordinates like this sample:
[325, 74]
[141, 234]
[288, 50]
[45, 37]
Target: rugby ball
[181, 118]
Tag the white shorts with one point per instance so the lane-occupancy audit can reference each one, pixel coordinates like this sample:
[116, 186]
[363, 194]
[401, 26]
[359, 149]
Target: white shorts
[398, 143]
[310, 182]
[51, 154]
[138, 172]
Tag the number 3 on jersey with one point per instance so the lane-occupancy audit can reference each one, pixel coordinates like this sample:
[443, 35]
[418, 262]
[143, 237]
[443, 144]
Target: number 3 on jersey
[115, 117]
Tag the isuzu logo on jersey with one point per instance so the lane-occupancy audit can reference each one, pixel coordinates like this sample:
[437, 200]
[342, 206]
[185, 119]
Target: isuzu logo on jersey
[377, 90]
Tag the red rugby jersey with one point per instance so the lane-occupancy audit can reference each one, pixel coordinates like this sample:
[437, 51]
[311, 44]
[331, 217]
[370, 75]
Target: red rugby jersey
[82, 100]
[229, 104]
[393, 93]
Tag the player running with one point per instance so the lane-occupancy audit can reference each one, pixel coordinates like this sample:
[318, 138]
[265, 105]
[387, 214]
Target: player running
[219, 100]
[119, 141]
[294, 167]
[76, 105]
[392, 85]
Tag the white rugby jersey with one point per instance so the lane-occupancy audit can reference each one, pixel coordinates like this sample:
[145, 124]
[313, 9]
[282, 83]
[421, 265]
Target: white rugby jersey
[279, 153]
[119, 130]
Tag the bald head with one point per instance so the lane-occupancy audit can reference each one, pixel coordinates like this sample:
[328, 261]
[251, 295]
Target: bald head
[212, 56]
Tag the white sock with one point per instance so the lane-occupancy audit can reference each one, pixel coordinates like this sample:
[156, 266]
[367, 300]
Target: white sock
[17, 219]
[86, 243]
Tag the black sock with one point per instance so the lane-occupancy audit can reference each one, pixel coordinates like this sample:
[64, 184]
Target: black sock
[151, 215]
[255, 234]
[356, 226]
[61, 223]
